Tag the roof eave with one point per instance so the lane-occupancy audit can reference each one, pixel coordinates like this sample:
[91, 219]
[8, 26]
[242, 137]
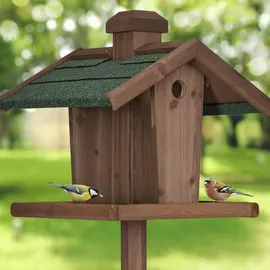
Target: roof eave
[208, 62]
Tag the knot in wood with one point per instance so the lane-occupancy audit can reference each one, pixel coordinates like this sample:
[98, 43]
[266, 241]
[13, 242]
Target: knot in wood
[79, 119]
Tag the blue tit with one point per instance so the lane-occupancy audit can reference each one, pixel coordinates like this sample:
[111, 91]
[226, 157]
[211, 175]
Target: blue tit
[79, 193]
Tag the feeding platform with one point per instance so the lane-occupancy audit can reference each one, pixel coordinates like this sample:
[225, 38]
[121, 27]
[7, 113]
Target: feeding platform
[135, 119]
[120, 212]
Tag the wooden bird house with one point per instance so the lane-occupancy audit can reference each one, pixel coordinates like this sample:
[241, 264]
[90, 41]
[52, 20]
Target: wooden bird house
[135, 116]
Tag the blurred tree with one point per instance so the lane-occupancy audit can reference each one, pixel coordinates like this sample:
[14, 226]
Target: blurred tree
[35, 33]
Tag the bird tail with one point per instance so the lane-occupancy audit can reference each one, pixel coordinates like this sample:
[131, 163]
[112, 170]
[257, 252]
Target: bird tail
[245, 194]
[56, 185]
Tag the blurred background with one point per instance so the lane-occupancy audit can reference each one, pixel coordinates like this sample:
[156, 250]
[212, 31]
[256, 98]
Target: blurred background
[34, 144]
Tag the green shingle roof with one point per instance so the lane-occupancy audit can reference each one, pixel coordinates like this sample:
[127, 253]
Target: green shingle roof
[84, 83]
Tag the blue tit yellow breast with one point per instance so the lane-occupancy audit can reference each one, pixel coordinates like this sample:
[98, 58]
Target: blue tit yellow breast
[79, 198]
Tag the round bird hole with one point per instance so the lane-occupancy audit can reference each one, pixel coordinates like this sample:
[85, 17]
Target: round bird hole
[177, 89]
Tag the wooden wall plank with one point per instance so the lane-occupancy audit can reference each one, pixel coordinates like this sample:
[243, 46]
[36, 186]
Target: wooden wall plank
[121, 155]
[144, 184]
[179, 135]
[91, 144]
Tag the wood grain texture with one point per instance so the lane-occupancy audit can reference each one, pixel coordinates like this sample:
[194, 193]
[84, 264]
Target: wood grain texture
[133, 245]
[152, 74]
[217, 93]
[137, 20]
[37, 75]
[133, 212]
[164, 47]
[144, 184]
[189, 210]
[93, 53]
[128, 42]
[66, 210]
[179, 134]
[211, 64]
[121, 134]
[91, 144]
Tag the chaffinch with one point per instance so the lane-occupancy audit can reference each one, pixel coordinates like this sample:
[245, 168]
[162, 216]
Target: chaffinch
[218, 191]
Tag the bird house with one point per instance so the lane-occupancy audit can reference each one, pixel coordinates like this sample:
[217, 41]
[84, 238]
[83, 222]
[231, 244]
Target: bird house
[135, 118]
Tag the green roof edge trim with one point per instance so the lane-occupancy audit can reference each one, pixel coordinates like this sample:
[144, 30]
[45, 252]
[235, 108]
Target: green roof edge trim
[228, 109]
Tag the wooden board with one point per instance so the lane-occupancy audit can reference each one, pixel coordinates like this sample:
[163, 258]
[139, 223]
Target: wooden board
[164, 47]
[133, 245]
[190, 210]
[65, 210]
[133, 212]
[91, 144]
[179, 135]
[144, 184]
[121, 155]
[92, 53]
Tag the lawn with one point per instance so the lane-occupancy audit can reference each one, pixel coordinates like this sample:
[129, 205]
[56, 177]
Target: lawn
[205, 244]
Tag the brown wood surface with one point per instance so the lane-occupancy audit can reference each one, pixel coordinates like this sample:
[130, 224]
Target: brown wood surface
[92, 53]
[129, 41]
[121, 154]
[37, 75]
[66, 210]
[133, 245]
[152, 74]
[91, 144]
[133, 212]
[179, 135]
[144, 184]
[209, 63]
[164, 47]
[137, 20]
[189, 210]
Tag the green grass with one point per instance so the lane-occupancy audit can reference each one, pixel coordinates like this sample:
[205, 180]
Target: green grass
[202, 244]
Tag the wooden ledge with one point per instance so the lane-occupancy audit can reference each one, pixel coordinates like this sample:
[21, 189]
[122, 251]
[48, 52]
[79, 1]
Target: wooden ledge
[127, 212]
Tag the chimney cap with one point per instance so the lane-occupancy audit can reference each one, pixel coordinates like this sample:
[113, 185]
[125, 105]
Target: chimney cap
[137, 20]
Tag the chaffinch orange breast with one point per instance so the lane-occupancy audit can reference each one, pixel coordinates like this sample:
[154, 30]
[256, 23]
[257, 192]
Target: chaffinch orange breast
[218, 191]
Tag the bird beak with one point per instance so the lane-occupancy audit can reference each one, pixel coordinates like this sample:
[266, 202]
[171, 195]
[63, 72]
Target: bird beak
[100, 195]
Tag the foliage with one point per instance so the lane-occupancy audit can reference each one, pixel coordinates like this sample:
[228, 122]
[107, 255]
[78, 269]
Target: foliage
[172, 244]
[35, 33]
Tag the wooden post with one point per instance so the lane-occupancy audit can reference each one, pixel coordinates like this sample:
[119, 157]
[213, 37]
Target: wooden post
[132, 29]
